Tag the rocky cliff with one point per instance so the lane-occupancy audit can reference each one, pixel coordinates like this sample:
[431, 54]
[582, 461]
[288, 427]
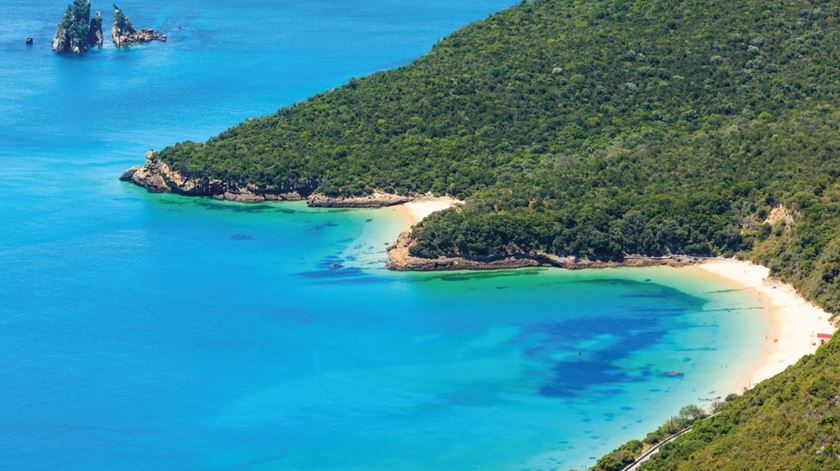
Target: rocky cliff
[77, 32]
[157, 177]
[123, 32]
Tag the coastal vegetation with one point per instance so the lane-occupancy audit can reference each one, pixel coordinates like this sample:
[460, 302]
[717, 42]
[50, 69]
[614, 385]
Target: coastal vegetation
[787, 422]
[600, 129]
[627, 453]
[590, 129]
[121, 22]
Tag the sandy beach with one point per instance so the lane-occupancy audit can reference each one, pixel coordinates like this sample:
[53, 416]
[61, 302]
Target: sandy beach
[417, 210]
[795, 322]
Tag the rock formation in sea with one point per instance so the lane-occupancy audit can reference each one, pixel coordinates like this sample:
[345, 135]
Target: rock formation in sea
[77, 32]
[94, 35]
[123, 32]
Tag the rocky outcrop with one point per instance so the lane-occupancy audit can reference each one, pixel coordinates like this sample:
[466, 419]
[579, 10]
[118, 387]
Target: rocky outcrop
[376, 200]
[123, 32]
[781, 214]
[77, 32]
[400, 259]
[157, 177]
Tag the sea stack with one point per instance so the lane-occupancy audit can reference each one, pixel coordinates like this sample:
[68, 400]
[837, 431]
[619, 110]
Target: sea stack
[123, 33]
[76, 32]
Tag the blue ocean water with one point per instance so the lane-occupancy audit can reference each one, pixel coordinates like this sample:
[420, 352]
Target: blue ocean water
[142, 331]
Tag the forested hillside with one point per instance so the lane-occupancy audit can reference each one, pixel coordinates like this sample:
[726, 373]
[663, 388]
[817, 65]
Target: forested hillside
[589, 128]
[599, 129]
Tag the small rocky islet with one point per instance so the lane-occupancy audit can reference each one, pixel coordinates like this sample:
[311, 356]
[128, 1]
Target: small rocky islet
[77, 32]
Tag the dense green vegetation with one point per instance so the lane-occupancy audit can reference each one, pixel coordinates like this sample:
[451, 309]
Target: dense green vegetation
[598, 129]
[121, 22]
[588, 128]
[789, 422]
[627, 453]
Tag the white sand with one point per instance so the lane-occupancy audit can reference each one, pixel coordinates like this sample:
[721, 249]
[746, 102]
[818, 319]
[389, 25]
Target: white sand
[796, 322]
[417, 210]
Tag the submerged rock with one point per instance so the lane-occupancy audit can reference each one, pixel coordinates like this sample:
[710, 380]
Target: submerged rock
[123, 32]
[76, 32]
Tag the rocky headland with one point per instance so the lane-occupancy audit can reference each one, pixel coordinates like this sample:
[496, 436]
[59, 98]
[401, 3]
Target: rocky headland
[401, 259]
[77, 31]
[123, 32]
[158, 177]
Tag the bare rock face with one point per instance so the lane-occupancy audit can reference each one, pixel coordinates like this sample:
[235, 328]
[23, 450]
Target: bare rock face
[77, 32]
[123, 32]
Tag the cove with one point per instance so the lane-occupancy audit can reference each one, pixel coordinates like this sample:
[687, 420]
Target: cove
[154, 331]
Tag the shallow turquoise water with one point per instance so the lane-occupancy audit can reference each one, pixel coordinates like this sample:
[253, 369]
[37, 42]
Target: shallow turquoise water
[143, 331]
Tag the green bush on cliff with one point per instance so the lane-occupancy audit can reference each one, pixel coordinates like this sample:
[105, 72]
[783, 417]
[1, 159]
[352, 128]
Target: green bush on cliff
[787, 422]
[627, 453]
[121, 22]
[72, 31]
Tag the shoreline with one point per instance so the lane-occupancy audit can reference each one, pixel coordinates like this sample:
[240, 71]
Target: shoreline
[793, 321]
[418, 209]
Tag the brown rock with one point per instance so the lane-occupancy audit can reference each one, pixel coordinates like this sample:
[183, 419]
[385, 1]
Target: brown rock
[400, 259]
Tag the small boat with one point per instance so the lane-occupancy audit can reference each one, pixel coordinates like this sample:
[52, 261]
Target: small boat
[675, 373]
[30, 41]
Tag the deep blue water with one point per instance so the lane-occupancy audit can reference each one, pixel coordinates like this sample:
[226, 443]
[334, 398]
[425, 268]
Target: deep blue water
[143, 331]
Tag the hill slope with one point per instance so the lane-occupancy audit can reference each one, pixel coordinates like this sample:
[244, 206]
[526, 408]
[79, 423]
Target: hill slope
[597, 129]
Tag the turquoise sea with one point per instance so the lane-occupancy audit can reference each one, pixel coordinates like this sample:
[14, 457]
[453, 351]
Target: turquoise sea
[142, 331]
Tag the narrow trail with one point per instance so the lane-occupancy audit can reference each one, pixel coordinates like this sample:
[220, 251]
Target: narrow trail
[634, 466]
